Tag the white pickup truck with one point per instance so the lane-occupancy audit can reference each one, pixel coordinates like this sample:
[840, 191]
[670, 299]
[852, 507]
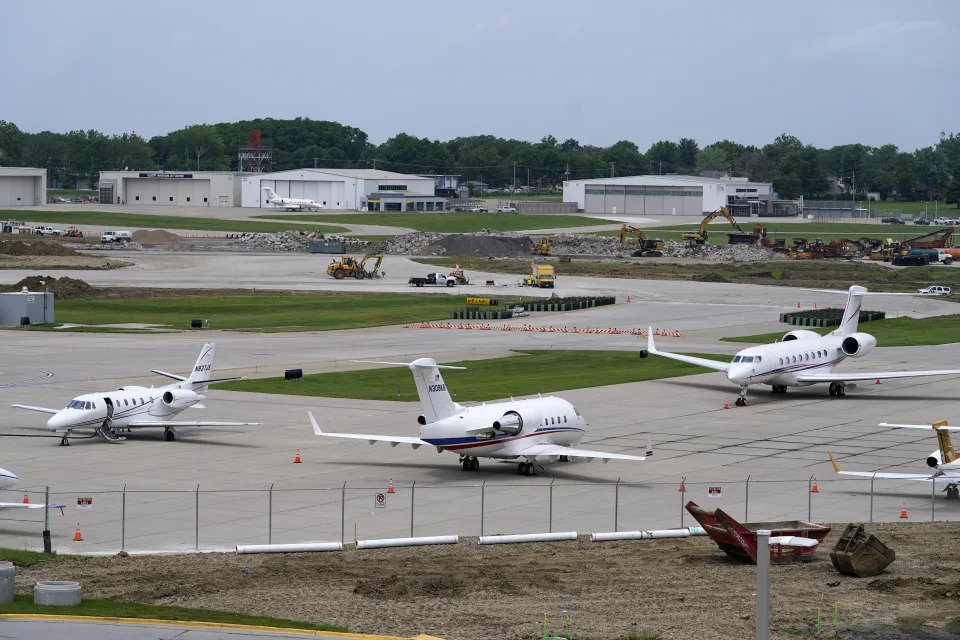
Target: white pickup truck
[48, 231]
[116, 236]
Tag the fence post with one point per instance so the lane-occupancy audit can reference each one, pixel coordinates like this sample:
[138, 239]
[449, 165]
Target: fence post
[810, 499]
[746, 501]
[616, 506]
[550, 516]
[196, 539]
[123, 519]
[270, 515]
[413, 488]
[343, 513]
[483, 486]
[762, 615]
[871, 495]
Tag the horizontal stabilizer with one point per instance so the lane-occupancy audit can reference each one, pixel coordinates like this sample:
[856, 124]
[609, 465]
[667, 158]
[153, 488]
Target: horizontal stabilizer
[423, 362]
[168, 375]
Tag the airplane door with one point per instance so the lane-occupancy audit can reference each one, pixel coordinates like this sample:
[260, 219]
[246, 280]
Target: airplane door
[109, 408]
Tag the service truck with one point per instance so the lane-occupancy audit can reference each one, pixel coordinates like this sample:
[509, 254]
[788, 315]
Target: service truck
[434, 279]
[541, 275]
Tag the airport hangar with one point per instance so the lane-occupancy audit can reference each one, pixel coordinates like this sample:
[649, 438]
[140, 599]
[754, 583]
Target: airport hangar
[669, 195]
[22, 186]
[171, 188]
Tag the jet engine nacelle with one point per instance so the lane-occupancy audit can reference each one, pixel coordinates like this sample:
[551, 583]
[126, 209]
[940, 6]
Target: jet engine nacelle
[799, 334]
[512, 422]
[857, 344]
[934, 460]
[180, 398]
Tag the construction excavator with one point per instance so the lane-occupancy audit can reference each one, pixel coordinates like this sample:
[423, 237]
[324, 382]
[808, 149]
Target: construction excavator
[541, 247]
[350, 267]
[646, 247]
[700, 235]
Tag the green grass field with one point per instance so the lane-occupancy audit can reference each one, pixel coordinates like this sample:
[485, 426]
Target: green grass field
[268, 312]
[892, 332]
[23, 604]
[146, 221]
[531, 372]
[448, 222]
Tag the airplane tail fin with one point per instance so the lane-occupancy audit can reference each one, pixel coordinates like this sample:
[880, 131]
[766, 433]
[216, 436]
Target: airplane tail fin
[851, 313]
[203, 369]
[947, 453]
[435, 399]
[271, 194]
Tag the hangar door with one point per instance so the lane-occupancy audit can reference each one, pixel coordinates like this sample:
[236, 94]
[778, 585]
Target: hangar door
[167, 192]
[18, 190]
[643, 200]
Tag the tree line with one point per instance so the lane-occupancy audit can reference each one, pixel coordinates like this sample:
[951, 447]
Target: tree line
[793, 167]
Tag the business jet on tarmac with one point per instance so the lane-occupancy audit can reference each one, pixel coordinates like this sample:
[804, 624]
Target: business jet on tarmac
[943, 460]
[135, 407]
[291, 204]
[526, 430]
[9, 481]
[802, 358]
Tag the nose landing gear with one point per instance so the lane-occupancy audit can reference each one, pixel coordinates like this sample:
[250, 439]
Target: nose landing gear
[838, 389]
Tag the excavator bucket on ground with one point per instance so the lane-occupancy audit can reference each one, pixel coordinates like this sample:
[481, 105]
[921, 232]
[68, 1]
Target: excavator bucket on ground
[860, 553]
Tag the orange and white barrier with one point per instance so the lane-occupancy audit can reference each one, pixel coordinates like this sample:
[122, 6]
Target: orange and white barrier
[614, 331]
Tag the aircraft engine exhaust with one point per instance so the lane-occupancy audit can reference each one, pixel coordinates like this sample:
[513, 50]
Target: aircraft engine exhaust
[511, 423]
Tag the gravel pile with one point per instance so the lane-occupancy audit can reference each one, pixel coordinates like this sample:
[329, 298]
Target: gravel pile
[718, 252]
[287, 241]
[585, 244]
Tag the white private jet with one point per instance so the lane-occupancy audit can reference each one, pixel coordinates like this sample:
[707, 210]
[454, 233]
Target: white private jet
[528, 430]
[8, 480]
[802, 358]
[135, 407]
[291, 204]
[943, 460]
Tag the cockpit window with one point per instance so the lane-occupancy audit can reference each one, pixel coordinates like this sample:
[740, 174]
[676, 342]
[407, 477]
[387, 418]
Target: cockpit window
[757, 359]
[576, 411]
[746, 359]
[75, 404]
[736, 358]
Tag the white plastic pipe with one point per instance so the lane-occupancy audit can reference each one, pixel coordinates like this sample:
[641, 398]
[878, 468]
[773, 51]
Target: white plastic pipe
[406, 542]
[697, 531]
[528, 537]
[289, 548]
[639, 535]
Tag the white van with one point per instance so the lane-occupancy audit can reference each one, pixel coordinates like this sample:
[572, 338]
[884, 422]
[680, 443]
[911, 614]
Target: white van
[116, 236]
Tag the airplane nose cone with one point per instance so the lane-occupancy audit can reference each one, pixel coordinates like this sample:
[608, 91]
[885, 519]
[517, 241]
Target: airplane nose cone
[7, 479]
[57, 421]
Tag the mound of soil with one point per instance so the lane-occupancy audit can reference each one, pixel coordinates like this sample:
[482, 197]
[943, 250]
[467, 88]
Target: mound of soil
[461, 244]
[154, 236]
[62, 288]
[41, 248]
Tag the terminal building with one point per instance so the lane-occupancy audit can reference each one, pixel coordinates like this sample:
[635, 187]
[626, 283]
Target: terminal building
[22, 186]
[171, 188]
[670, 195]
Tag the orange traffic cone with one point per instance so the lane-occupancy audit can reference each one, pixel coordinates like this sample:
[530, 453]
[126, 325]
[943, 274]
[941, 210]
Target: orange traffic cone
[390, 487]
[878, 381]
[813, 487]
[683, 486]
[77, 537]
[903, 512]
[296, 460]
[628, 298]
[726, 403]
[798, 305]
[814, 305]
[26, 499]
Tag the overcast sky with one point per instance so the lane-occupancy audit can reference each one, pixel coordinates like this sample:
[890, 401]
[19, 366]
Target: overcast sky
[874, 72]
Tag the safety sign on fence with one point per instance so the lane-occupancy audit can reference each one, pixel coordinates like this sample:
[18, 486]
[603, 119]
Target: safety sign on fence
[381, 501]
[713, 492]
[84, 503]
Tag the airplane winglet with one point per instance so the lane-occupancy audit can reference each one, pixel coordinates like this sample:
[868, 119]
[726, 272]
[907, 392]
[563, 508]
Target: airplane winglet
[836, 467]
[651, 348]
[316, 427]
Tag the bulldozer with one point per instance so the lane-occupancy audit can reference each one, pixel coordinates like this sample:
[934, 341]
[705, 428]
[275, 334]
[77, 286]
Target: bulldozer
[700, 235]
[646, 246]
[350, 267]
[542, 247]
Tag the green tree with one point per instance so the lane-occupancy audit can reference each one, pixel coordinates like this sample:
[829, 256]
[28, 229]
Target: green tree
[687, 149]
[198, 146]
[713, 158]
[11, 144]
[664, 157]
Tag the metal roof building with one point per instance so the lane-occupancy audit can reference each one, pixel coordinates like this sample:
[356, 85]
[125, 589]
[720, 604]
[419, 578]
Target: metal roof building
[346, 189]
[22, 186]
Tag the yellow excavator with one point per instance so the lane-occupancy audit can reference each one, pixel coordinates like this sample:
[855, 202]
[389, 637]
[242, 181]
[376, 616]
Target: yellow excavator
[646, 246]
[700, 235]
[350, 267]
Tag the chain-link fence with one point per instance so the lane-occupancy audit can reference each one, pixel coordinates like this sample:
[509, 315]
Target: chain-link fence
[203, 519]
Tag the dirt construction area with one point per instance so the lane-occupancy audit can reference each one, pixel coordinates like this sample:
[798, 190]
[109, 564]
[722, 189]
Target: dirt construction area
[669, 589]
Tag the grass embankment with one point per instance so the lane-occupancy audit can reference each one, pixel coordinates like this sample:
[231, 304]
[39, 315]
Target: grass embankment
[448, 222]
[270, 313]
[892, 332]
[147, 221]
[532, 371]
[23, 604]
[786, 273]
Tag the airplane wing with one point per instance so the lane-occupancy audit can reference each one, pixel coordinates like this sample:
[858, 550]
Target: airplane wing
[20, 505]
[550, 450]
[168, 375]
[187, 423]
[416, 443]
[935, 476]
[30, 408]
[876, 375]
[703, 362]
[926, 427]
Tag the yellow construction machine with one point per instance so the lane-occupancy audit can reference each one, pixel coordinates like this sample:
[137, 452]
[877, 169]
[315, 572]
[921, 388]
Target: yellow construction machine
[350, 267]
[700, 235]
[542, 247]
[646, 246]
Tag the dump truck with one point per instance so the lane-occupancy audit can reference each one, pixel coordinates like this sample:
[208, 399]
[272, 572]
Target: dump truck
[541, 275]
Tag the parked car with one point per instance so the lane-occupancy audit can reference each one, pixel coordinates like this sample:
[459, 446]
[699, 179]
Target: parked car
[506, 208]
[892, 221]
[76, 200]
[478, 209]
[518, 312]
[47, 231]
[935, 290]
[920, 221]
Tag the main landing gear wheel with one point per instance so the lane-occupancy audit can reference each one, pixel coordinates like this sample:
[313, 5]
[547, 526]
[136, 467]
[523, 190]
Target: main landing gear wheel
[953, 492]
[527, 469]
[564, 459]
[168, 435]
[64, 442]
[838, 389]
[741, 402]
[470, 463]
[778, 388]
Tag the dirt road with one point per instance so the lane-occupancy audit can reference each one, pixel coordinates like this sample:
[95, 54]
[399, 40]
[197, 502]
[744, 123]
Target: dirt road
[672, 589]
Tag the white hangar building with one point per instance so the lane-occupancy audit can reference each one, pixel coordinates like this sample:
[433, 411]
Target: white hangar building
[171, 188]
[346, 189]
[22, 186]
[667, 195]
